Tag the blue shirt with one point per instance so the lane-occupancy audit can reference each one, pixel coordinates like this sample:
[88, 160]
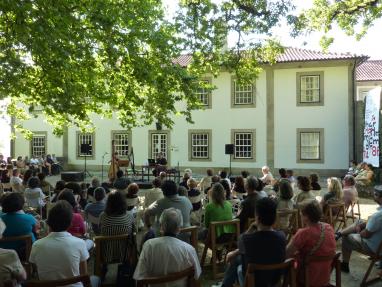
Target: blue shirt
[374, 225]
[17, 224]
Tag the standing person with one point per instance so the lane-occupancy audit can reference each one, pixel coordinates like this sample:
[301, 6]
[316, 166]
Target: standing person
[12, 271]
[167, 254]
[316, 239]
[60, 255]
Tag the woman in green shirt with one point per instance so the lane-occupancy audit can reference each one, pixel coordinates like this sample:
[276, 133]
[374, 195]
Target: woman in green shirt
[218, 210]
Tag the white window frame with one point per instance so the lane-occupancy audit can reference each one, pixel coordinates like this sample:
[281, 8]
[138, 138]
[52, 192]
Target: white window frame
[300, 146]
[303, 87]
[161, 146]
[205, 95]
[234, 140]
[123, 150]
[41, 135]
[241, 92]
[198, 146]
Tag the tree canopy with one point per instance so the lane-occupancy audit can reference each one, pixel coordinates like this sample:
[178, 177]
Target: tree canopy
[72, 58]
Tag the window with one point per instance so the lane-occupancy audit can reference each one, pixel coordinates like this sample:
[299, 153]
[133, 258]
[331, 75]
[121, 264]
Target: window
[244, 145]
[38, 144]
[121, 143]
[204, 93]
[159, 144]
[310, 145]
[310, 88]
[85, 145]
[242, 95]
[199, 147]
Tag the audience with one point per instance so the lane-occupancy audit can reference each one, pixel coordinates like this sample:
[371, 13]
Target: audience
[238, 187]
[247, 207]
[60, 185]
[17, 222]
[224, 176]
[206, 181]
[45, 186]
[60, 255]
[227, 188]
[96, 208]
[305, 193]
[16, 182]
[362, 236]
[314, 181]
[153, 194]
[349, 189]
[267, 177]
[186, 177]
[94, 183]
[132, 199]
[366, 175]
[33, 193]
[261, 245]
[194, 195]
[285, 202]
[11, 270]
[316, 239]
[167, 254]
[171, 199]
[334, 194]
[121, 182]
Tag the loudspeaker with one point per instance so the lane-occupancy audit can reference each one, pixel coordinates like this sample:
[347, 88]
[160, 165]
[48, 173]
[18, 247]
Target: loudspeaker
[72, 176]
[86, 149]
[229, 148]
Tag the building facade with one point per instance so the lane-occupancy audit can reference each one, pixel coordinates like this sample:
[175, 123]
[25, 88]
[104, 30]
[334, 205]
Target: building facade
[299, 114]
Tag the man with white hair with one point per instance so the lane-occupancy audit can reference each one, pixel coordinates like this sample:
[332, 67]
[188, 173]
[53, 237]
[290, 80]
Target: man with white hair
[267, 177]
[167, 254]
[11, 270]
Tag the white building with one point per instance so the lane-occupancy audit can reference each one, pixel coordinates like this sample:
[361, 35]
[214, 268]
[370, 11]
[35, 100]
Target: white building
[298, 114]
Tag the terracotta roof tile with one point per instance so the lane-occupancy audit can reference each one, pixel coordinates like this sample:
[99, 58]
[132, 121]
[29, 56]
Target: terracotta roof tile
[369, 71]
[290, 55]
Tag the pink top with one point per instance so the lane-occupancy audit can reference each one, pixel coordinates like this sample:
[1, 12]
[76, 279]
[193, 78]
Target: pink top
[304, 240]
[78, 225]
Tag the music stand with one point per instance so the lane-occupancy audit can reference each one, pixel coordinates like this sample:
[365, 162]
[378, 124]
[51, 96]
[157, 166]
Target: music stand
[86, 150]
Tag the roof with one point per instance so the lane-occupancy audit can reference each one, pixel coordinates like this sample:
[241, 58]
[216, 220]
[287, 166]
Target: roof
[290, 55]
[369, 71]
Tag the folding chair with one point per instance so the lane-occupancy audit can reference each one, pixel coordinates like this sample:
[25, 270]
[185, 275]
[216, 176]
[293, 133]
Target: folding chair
[193, 230]
[336, 264]
[374, 258]
[335, 213]
[289, 277]
[84, 279]
[187, 274]
[292, 227]
[211, 242]
[351, 213]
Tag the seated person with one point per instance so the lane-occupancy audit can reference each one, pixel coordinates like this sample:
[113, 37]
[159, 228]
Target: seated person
[285, 202]
[33, 193]
[362, 236]
[96, 208]
[186, 177]
[316, 239]
[238, 187]
[11, 270]
[16, 221]
[171, 199]
[20, 164]
[305, 193]
[267, 177]
[45, 186]
[16, 182]
[94, 183]
[121, 182]
[314, 181]
[366, 175]
[260, 245]
[48, 163]
[353, 168]
[219, 209]
[155, 193]
[2, 160]
[60, 255]
[206, 181]
[194, 195]
[224, 176]
[349, 189]
[132, 199]
[167, 254]
[60, 186]
[247, 207]
[34, 163]
[334, 194]
[160, 164]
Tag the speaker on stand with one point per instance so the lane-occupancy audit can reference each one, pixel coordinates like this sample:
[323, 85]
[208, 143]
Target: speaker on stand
[86, 150]
[229, 149]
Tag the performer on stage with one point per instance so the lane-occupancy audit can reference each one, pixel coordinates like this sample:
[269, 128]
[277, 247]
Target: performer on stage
[114, 167]
[161, 164]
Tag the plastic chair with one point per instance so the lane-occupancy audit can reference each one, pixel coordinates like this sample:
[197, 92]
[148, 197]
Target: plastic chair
[85, 280]
[211, 242]
[289, 277]
[172, 277]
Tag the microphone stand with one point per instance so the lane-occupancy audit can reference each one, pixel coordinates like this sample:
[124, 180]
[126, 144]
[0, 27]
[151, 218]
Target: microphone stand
[103, 158]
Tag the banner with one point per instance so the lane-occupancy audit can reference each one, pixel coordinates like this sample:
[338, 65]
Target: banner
[371, 131]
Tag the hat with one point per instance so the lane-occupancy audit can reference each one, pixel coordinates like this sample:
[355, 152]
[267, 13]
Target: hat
[378, 189]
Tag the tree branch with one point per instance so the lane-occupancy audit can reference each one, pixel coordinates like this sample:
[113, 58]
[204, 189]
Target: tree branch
[250, 9]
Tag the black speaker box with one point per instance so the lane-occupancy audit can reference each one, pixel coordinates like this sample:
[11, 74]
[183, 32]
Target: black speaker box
[72, 176]
[229, 148]
[86, 149]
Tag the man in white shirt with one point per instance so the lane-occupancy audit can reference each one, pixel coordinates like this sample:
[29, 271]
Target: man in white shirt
[167, 254]
[16, 182]
[60, 255]
[267, 177]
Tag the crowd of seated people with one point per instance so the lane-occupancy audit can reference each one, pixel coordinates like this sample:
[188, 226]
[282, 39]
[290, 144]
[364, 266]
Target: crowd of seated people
[167, 208]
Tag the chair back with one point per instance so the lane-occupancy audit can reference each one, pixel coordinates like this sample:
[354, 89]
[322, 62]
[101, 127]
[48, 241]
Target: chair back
[110, 249]
[193, 230]
[235, 223]
[336, 264]
[289, 276]
[27, 241]
[92, 219]
[84, 279]
[250, 221]
[172, 277]
[334, 213]
[291, 218]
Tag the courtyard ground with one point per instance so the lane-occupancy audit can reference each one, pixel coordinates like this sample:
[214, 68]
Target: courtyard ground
[358, 266]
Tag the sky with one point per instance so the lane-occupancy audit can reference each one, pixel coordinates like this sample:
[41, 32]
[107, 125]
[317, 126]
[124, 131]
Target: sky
[369, 45]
